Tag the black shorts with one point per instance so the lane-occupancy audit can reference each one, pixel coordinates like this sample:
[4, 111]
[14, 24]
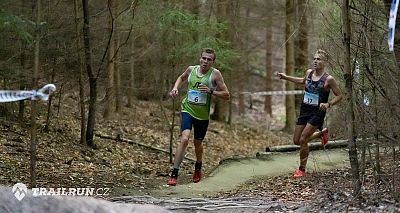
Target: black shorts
[313, 118]
[200, 126]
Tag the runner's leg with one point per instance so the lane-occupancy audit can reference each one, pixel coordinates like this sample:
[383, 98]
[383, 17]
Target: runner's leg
[181, 149]
[304, 139]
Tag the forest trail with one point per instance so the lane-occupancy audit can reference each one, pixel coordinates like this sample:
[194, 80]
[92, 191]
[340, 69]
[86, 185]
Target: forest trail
[233, 173]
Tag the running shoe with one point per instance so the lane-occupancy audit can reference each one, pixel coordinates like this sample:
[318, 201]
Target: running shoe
[298, 173]
[196, 176]
[324, 136]
[172, 181]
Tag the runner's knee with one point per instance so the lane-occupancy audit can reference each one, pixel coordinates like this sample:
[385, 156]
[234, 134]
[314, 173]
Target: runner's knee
[303, 140]
[185, 141]
[296, 141]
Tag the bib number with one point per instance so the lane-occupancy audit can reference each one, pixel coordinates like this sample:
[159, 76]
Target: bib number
[197, 97]
[311, 99]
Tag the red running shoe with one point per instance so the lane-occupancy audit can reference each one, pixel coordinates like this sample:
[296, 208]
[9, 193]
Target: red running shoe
[172, 181]
[324, 136]
[196, 176]
[298, 173]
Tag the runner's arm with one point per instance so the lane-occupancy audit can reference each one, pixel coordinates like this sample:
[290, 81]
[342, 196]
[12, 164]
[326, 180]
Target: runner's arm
[296, 80]
[221, 91]
[181, 79]
[336, 91]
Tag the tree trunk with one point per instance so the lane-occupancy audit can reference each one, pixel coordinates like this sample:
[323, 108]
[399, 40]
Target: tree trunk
[92, 77]
[110, 92]
[23, 60]
[349, 90]
[301, 62]
[220, 106]
[81, 74]
[117, 77]
[33, 146]
[117, 74]
[243, 79]
[289, 99]
[49, 111]
[268, 64]
[131, 82]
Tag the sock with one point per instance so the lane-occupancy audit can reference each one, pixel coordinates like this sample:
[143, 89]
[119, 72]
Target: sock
[301, 168]
[174, 172]
[197, 166]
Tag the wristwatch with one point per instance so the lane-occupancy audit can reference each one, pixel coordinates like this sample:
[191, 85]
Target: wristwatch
[211, 91]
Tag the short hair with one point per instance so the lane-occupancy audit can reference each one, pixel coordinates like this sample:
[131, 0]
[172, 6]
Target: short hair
[209, 51]
[324, 55]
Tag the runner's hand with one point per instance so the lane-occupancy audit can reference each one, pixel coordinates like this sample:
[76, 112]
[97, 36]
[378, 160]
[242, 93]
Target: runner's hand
[204, 89]
[174, 93]
[324, 106]
[281, 75]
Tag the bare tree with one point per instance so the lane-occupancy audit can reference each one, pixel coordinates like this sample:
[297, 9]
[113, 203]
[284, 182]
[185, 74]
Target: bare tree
[92, 76]
[33, 146]
[131, 81]
[301, 50]
[268, 62]
[290, 107]
[81, 73]
[349, 90]
[110, 87]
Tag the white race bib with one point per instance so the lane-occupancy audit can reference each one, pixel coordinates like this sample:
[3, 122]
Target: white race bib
[197, 97]
[311, 99]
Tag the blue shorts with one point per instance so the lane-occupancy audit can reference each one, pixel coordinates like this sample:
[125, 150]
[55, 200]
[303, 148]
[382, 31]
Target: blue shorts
[200, 126]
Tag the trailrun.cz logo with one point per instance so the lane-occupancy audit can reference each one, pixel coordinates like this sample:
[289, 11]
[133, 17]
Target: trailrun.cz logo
[20, 190]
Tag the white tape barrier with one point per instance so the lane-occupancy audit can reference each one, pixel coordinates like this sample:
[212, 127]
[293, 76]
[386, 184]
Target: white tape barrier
[18, 95]
[290, 92]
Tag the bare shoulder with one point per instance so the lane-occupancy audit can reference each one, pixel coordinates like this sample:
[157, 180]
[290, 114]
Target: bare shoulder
[330, 78]
[217, 73]
[189, 69]
[331, 81]
[307, 73]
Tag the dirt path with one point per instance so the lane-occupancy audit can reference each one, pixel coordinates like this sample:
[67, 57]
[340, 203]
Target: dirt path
[231, 174]
[189, 197]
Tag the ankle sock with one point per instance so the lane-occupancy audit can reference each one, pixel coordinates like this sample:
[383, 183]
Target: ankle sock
[174, 172]
[197, 166]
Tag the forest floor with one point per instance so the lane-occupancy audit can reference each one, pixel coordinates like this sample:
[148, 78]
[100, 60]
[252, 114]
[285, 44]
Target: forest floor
[136, 161]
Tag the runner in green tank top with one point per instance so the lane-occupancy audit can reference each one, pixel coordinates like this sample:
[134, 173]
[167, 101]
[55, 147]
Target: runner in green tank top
[198, 103]
[204, 81]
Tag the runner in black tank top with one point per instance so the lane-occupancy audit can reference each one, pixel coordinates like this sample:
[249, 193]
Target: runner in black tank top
[317, 86]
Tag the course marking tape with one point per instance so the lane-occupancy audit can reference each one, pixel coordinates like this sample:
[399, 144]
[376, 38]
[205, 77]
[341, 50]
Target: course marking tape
[18, 95]
[290, 92]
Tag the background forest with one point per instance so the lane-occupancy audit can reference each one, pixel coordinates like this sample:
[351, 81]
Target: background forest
[114, 62]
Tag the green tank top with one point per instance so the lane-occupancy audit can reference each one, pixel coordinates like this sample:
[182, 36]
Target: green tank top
[196, 103]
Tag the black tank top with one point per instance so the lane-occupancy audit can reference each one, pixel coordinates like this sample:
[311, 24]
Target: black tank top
[315, 88]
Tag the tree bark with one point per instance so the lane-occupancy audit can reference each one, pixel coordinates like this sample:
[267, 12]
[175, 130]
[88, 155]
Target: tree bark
[222, 14]
[268, 64]
[131, 84]
[301, 61]
[33, 145]
[117, 59]
[290, 105]
[92, 77]
[349, 90]
[82, 107]
[110, 87]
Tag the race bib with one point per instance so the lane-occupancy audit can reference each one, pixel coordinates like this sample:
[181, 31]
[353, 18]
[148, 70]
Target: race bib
[311, 99]
[197, 97]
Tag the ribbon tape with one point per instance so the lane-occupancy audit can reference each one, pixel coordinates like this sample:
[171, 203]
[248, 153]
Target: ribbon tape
[18, 95]
[290, 92]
